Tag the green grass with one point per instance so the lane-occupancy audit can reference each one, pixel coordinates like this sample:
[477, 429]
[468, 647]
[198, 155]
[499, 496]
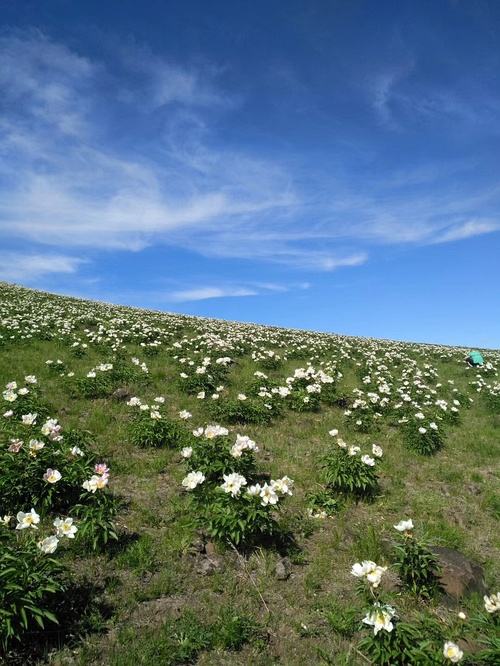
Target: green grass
[242, 614]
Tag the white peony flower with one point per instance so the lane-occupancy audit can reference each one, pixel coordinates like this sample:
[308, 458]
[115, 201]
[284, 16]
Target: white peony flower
[380, 618]
[65, 527]
[48, 545]
[193, 479]
[268, 495]
[452, 652]
[25, 520]
[233, 483]
[404, 526]
[492, 603]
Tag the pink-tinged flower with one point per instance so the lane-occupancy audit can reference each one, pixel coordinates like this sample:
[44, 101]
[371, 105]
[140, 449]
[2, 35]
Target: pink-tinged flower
[102, 469]
[15, 445]
[52, 476]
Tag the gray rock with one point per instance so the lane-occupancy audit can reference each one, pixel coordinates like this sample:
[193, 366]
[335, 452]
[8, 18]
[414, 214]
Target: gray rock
[210, 549]
[121, 394]
[283, 568]
[208, 566]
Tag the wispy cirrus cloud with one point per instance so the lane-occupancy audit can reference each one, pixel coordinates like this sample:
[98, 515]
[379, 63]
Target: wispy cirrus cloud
[70, 181]
[205, 293]
[18, 266]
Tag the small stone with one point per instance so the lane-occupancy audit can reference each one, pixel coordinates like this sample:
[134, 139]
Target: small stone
[283, 569]
[208, 566]
[121, 394]
[210, 549]
[197, 546]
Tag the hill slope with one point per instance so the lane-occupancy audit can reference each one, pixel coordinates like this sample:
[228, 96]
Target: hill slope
[207, 571]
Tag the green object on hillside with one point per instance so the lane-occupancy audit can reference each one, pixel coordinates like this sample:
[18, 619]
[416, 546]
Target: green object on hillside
[476, 358]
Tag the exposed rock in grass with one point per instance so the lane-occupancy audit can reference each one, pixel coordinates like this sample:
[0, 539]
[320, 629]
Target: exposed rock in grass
[121, 394]
[283, 568]
[459, 576]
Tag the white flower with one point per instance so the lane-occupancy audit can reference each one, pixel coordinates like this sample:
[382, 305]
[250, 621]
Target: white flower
[212, 431]
[201, 395]
[96, 482]
[254, 490]
[65, 527]
[9, 396]
[35, 445]
[5, 520]
[404, 526]
[185, 415]
[353, 450]
[492, 603]
[241, 396]
[368, 461]
[243, 443]
[76, 451]
[30, 379]
[134, 402]
[369, 570]
[25, 520]
[452, 652]
[268, 495]
[48, 545]
[29, 419]
[422, 431]
[233, 483]
[283, 486]
[333, 432]
[193, 479]
[377, 451]
[380, 618]
[52, 475]
[198, 432]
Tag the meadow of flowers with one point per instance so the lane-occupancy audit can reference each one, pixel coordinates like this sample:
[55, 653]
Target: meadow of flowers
[177, 489]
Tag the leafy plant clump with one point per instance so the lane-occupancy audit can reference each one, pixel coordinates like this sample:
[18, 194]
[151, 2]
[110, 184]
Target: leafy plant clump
[29, 579]
[418, 568]
[348, 472]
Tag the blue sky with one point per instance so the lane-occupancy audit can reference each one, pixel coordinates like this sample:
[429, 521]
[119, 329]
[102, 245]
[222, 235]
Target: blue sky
[324, 165]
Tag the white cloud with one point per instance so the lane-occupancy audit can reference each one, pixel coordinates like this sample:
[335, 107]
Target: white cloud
[68, 182]
[204, 293]
[16, 266]
[467, 230]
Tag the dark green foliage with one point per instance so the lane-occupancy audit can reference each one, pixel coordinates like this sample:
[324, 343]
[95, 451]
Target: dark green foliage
[28, 578]
[95, 515]
[348, 474]
[322, 500]
[240, 520]
[417, 567]
[250, 410]
[156, 433]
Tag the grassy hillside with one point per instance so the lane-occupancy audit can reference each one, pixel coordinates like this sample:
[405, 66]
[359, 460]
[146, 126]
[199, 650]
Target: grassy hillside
[220, 575]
